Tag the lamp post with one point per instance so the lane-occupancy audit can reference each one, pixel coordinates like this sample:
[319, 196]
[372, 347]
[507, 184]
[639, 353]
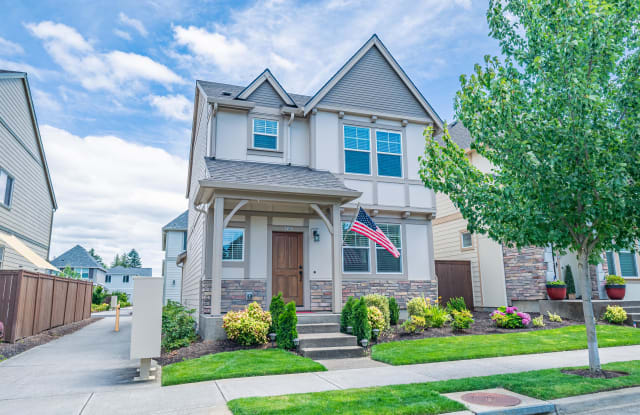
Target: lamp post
[349, 329]
[272, 337]
[376, 333]
[296, 343]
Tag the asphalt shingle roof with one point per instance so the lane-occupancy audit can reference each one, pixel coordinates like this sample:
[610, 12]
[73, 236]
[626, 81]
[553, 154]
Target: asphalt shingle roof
[460, 135]
[143, 272]
[217, 90]
[76, 257]
[268, 174]
[179, 223]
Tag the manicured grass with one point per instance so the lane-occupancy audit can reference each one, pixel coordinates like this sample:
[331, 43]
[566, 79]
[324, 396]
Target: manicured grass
[241, 363]
[423, 398]
[440, 349]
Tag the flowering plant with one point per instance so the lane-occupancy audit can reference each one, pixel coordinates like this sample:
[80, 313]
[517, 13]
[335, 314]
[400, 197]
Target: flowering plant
[510, 318]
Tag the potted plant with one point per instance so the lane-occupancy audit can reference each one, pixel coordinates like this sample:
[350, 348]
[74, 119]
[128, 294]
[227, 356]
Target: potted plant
[556, 290]
[571, 287]
[616, 287]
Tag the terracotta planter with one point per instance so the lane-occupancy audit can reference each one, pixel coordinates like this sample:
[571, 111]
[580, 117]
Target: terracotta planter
[557, 292]
[615, 292]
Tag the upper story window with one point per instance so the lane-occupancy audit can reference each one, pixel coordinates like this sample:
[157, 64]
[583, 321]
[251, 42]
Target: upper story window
[107, 279]
[125, 279]
[385, 262]
[357, 150]
[389, 153]
[233, 244]
[184, 241]
[6, 188]
[466, 241]
[265, 134]
[83, 272]
[355, 250]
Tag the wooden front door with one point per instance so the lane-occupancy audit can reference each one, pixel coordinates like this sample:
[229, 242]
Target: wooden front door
[454, 280]
[287, 266]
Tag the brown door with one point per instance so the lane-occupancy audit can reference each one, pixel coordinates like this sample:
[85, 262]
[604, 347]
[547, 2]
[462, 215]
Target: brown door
[454, 280]
[287, 266]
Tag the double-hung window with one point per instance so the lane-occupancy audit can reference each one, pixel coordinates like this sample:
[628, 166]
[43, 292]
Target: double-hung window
[6, 188]
[355, 250]
[265, 134]
[125, 279]
[357, 150]
[385, 262]
[233, 244]
[389, 153]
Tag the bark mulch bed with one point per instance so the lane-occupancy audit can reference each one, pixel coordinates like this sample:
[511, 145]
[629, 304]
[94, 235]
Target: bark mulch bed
[8, 350]
[603, 374]
[202, 348]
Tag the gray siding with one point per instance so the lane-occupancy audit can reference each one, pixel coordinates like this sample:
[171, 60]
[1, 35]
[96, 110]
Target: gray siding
[172, 272]
[14, 110]
[373, 85]
[266, 96]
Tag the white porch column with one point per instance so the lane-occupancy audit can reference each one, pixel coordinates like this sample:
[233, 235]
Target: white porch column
[216, 257]
[337, 258]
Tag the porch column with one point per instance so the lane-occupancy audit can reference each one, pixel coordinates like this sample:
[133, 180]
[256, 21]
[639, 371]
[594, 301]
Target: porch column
[337, 258]
[216, 258]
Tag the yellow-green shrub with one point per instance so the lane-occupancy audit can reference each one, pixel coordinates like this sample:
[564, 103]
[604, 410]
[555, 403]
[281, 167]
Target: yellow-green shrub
[249, 326]
[381, 303]
[554, 317]
[417, 306]
[462, 319]
[376, 318]
[415, 324]
[538, 321]
[615, 314]
[436, 316]
[96, 308]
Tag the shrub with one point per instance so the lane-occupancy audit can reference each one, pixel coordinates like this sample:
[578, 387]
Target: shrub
[568, 279]
[381, 303]
[615, 314]
[538, 321]
[122, 297]
[462, 319]
[436, 316]
[558, 283]
[394, 311]
[96, 308]
[361, 326]
[178, 326]
[346, 316]
[98, 295]
[124, 304]
[276, 308]
[456, 303]
[287, 322]
[510, 318]
[376, 319]
[415, 324]
[554, 317]
[615, 280]
[249, 326]
[417, 306]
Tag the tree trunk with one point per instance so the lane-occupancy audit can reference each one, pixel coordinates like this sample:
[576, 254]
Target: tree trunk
[587, 307]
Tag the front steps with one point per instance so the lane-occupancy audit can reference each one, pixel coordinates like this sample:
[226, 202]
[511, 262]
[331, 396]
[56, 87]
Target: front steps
[320, 338]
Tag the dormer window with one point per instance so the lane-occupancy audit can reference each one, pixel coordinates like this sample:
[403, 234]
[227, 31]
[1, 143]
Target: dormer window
[265, 134]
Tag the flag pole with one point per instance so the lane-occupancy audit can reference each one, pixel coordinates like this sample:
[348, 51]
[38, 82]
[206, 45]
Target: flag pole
[355, 215]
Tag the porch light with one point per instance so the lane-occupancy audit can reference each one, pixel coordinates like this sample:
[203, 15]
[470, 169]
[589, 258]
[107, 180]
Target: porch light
[364, 343]
[316, 235]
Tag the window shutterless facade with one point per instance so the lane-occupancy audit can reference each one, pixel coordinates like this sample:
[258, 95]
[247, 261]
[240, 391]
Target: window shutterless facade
[6, 188]
[233, 244]
[357, 150]
[355, 251]
[265, 134]
[389, 153]
[385, 262]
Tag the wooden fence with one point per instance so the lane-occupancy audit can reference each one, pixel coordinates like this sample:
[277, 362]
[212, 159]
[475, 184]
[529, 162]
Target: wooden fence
[31, 303]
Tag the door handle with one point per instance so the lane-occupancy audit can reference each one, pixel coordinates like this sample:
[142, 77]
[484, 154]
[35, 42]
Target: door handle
[300, 272]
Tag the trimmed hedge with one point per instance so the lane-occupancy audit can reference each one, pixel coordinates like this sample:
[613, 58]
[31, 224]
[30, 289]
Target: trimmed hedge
[287, 323]
[276, 308]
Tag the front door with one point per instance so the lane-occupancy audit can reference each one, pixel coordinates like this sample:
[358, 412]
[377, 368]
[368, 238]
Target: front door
[287, 266]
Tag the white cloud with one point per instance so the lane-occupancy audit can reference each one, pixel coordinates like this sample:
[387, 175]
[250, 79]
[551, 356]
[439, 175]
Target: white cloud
[133, 23]
[8, 47]
[43, 100]
[113, 195]
[122, 34]
[115, 71]
[23, 67]
[173, 106]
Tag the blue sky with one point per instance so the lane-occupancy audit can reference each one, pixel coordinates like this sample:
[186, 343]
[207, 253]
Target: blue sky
[113, 84]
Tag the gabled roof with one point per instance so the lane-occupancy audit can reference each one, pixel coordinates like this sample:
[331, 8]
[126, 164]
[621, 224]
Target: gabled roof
[459, 135]
[179, 223]
[219, 90]
[76, 257]
[374, 41]
[4, 74]
[266, 76]
[143, 272]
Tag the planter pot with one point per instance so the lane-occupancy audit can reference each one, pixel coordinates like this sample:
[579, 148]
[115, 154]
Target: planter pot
[571, 296]
[557, 292]
[615, 292]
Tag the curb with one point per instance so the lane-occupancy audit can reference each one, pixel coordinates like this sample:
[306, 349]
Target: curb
[583, 404]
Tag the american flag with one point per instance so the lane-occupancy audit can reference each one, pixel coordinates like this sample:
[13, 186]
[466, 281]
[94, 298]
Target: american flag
[364, 225]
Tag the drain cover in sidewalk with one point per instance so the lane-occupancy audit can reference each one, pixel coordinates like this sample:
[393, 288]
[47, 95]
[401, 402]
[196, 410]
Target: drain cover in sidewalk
[500, 401]
[490, 399]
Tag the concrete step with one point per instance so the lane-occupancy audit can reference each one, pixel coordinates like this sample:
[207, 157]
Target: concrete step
[343, 352]
[311, 318]
[632, 309]
[318, 328]
[327, 340]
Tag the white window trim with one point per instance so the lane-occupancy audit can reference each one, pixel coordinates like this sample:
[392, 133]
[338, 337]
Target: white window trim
[462, 247]
[244, 244]
[13, 186]
[401, 154]
[2, 253]
[401, 249]
[345, 149]
[128, 279]
[369, 267]
[253, 134]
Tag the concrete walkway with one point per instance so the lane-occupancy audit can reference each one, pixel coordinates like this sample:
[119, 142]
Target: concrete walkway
[89, 372]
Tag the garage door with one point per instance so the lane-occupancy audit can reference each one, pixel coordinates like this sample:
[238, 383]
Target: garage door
[454, 280]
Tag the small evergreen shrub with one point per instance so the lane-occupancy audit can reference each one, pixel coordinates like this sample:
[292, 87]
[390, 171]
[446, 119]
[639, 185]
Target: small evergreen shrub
[249, 326]
[538, 321]
[568, 279]
[376, 319]
[417, 306]
[554, 317]
[98, 295]
[178, 326]
[275, 308]
[615, 314]
[361, 326]
[462, 319]
[381, 303]
[415, 324]
[394, 311]
[347, 314]
[456, 303]
[287, 323]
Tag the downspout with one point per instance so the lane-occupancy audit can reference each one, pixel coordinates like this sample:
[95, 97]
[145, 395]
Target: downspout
[211, 136]
[293, 115]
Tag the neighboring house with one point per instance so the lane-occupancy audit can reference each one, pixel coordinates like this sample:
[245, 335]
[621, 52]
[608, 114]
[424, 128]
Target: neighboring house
[274, 180]
[174, 242]
[81, 262]
[498, 275]
[27, 200]
[121, 279]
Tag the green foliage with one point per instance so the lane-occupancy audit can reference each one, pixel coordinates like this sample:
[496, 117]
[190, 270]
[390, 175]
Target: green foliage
[68, 272]
[346, 316]
[129, 259]
[417, 306]
[98, 295]
[287, 322]
[436, 316]
[538, 321]
[178, 326]
[568, 279]
[615, 314]
[554, 317]
[456, 303]
[97, 257]
[556, 283]
[394, 311]
[510, 318]
[376, 318]
[381, 303]
[276, 308]
[96, 308]
[415, 324]
[462, 319]
[249, 326]
[360, 319]
[122, 296]
[615, 280]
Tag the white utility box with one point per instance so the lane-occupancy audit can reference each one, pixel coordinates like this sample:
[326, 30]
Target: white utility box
[146, 326]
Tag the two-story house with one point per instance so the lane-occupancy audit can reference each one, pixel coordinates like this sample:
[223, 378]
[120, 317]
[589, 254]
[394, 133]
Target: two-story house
[27, 200]
[121, 279]
[275, 178]
[174, 243]
[80, 261]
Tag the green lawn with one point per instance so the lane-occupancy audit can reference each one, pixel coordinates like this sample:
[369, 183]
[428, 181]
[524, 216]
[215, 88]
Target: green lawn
[424, 398]
[441, 349]
[241, 363]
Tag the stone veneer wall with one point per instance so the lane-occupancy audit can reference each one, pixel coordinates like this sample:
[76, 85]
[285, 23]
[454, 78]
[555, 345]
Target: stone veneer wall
[525, 273]
[403, 290]
[321, 295]
[233, 294]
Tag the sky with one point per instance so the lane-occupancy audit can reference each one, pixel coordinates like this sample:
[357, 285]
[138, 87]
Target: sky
[113, 86]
